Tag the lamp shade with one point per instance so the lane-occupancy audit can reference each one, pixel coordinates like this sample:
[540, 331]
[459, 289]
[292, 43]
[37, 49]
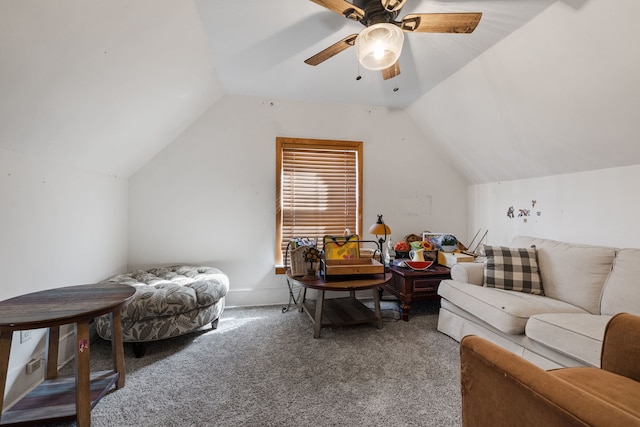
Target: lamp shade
[378, 46]
[379, 228]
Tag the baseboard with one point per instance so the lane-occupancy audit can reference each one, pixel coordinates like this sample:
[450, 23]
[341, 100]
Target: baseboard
[256, 297]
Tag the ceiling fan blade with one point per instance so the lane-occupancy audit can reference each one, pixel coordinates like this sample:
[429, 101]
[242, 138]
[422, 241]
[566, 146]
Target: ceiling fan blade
[393, 5]
[332, 50]
[392, 71]
[441, 22]
[342, 7]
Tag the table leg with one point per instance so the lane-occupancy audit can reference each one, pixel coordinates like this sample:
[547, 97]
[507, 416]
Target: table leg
[117, 347]
[405, 307]
[53, 343]
[318, 318]
[83, 383]
[301, 299]
[5, 348]
[376, 307]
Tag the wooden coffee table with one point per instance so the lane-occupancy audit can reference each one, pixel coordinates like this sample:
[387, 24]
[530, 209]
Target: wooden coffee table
[63, 399]
[340, 311]
[409, 285]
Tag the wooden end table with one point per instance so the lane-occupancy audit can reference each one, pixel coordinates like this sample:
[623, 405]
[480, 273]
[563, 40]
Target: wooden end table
[340, 311]
[63, 399]
[410, 285]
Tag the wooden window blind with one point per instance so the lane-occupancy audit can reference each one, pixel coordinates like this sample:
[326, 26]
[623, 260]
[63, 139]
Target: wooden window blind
[318, 189]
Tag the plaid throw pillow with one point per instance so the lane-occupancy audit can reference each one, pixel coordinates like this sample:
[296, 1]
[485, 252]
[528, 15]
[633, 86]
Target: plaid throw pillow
[514, 269]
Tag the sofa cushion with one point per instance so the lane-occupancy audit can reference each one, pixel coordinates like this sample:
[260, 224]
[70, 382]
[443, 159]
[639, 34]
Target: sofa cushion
[506, 311]
[515, 269]
[571, 272]
[620, 394]
[577, 335]
[621, 293]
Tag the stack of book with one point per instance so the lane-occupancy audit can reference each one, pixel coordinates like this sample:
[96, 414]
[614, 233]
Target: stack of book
[449, 259]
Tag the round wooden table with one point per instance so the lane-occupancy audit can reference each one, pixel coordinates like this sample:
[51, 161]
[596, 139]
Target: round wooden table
[340, 311]
[66, 398]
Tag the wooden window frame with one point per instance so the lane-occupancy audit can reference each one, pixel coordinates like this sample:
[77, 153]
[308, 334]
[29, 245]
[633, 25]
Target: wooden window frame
[304, 143]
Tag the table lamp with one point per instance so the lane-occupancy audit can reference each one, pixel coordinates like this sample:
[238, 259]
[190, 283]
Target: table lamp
[380, 229]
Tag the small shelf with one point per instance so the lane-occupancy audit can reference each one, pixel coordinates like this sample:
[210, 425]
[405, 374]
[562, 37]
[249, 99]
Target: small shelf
[341, 312]
[55, 399]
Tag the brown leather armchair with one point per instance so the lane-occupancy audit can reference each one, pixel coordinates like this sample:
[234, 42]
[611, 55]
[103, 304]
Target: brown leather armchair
[500, 388]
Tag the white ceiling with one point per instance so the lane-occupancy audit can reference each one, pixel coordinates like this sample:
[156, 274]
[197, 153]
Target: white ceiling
[541, 87]
[259, 48]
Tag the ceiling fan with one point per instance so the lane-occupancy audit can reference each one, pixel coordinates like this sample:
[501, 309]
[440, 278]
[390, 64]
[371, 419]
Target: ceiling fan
[380, 43]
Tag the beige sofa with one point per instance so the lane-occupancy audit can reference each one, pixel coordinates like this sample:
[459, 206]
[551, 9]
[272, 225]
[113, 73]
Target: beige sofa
[583, 285]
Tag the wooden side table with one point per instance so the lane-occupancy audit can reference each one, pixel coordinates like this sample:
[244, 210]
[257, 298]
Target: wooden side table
[63, 399]
[409, 285]
[340, 311]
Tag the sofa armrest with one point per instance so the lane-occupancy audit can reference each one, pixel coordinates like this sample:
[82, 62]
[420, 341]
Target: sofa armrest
[468, 272]
[499, 388]
[621, 346]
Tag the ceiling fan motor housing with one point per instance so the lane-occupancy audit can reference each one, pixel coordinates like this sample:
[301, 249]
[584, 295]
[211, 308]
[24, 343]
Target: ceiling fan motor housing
[374, 12]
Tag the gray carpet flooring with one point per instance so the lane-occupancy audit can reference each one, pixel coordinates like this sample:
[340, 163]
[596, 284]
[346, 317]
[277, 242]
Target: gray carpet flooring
[262, 367]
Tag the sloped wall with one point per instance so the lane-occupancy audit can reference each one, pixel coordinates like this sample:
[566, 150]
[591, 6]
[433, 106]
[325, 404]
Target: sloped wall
[209, 197]
[101, 85]
[560, 95]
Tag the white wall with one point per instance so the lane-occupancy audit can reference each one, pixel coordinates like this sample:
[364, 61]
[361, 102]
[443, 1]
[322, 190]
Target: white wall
[209, 197]
[59, 226]
[597, 207]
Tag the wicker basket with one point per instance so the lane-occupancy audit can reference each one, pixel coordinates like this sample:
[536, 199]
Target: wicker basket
[298, 266]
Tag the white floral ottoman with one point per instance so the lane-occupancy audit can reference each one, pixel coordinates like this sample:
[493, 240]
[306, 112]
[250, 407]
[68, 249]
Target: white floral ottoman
[169, 301]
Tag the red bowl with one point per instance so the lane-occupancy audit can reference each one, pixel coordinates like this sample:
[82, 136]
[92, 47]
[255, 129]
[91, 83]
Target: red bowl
[418, 265]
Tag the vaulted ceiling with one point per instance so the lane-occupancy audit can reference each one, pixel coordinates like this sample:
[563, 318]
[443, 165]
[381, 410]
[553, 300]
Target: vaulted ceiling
[107, 84]
[260, 49]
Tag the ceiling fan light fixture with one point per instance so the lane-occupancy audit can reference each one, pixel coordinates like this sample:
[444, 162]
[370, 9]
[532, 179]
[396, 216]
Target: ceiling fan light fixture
[378, 46]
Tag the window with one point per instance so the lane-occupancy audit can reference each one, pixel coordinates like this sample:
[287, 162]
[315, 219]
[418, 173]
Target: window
[318, 190]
